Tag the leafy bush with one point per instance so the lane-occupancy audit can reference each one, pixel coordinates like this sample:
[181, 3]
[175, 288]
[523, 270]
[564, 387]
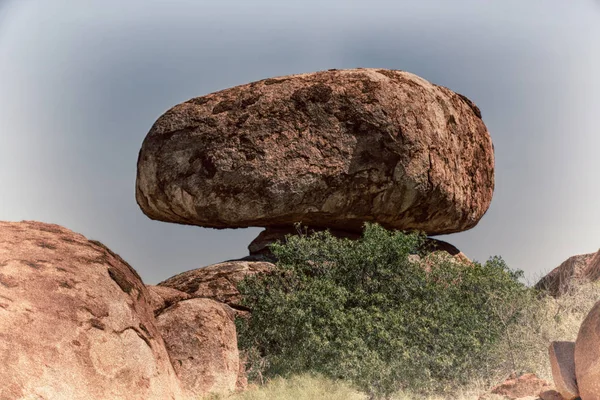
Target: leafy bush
[377, 312]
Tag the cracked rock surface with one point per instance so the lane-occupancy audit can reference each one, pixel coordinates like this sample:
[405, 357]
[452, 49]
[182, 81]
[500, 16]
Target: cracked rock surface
[331, 149]
[75, 321]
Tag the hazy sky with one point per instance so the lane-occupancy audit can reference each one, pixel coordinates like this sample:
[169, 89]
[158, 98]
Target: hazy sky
[82, 82]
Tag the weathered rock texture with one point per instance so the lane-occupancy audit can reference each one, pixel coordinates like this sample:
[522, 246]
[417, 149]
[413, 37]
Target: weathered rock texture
[587, 356]
[562, 362]
[576, 269]
[75, 322]
[218, 281]
[329, 149]
[201, 340]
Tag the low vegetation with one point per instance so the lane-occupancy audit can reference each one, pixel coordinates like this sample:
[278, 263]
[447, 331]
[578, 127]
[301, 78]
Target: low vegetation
[541, 321]
[382, 315]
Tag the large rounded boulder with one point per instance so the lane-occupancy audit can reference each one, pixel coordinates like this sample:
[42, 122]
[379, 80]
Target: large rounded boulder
[75, 321]
[331, 149]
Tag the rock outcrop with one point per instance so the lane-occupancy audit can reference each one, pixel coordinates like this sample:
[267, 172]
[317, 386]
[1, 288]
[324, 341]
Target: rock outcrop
[217, 282]
[75, 321]
[201, 340]
[562, 362]
[576, 269]
[592, 272]
[330, 149]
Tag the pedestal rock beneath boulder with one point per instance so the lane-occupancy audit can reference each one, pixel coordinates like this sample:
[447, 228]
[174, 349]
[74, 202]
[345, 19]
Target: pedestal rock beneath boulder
[331, 149]
[259, 247]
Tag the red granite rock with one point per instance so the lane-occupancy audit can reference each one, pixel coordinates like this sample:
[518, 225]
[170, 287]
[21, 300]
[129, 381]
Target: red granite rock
[331, 149]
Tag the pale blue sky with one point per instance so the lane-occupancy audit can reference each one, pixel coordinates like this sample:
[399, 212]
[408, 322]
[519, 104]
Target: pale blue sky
[81, 82]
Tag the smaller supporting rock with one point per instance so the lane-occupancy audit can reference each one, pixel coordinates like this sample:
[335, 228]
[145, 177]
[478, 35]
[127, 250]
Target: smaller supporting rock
[200, 337]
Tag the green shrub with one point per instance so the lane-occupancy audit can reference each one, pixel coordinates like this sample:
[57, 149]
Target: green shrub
[377, 312]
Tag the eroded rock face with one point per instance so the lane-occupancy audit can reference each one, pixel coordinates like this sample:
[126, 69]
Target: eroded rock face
[218, 281]
[330, 149]
[75, 321]
[587, 355]
[201, 339]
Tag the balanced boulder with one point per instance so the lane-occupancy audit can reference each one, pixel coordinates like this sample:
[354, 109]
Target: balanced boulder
[331, 149]
[75, 321]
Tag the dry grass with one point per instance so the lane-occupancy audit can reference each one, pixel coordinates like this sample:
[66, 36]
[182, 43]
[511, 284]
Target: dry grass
[302, 387]
[547, 320]
[311, 387]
